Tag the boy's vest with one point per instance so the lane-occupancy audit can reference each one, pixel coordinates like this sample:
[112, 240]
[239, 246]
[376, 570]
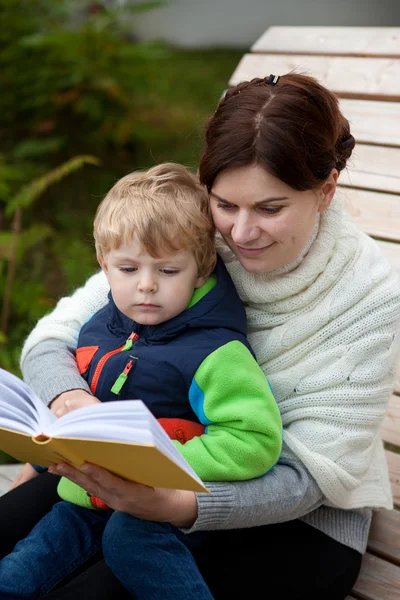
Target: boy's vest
[121, 359]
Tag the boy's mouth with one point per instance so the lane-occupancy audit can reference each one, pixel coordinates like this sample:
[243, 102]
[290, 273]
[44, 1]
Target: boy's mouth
[146, 306]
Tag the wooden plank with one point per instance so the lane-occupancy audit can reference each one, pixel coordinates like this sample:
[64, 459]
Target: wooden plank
[351, 41]
[373, 168]
[390, 428]
[378, 580]
[392, 253]
[385, 535]
[393, 461]
[396, 384]
[372, 121]
[376, 213]
[362, 78]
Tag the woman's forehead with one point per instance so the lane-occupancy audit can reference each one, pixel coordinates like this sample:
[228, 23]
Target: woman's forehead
[250, 183]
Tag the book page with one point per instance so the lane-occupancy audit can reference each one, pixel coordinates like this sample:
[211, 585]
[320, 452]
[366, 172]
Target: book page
[20, 408]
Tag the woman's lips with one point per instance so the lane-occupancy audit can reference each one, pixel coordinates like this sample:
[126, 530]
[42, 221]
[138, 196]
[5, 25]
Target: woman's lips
[253, 251]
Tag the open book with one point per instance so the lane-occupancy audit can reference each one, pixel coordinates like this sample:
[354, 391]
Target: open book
[121, 436]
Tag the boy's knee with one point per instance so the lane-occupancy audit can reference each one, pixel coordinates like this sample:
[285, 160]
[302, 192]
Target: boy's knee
[125, 534]
[115, 538]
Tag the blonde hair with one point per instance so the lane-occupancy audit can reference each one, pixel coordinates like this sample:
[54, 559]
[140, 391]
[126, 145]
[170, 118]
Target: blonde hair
[165, 209]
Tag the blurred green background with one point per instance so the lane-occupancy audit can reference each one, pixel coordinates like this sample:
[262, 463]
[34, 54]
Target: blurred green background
[82, 103]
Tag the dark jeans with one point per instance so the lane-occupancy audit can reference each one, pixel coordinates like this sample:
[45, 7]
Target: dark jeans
[152, 560]
[290, 560]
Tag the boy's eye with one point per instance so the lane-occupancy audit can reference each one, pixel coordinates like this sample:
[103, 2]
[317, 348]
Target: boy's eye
[128, 269]
[169, 271]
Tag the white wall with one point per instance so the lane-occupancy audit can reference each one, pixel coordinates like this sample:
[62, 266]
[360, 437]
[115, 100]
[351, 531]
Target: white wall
[238, 23]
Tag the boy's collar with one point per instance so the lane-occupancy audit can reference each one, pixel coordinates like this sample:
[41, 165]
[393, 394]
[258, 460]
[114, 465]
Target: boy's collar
[200, 292]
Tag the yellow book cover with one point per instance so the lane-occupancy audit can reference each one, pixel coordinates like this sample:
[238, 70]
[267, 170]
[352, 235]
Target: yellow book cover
[121, 436]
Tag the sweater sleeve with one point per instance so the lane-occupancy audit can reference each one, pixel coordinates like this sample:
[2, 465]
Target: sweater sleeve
[71, 312]
[47, 360]
[285, 493]
[50, 369]
[231, 396]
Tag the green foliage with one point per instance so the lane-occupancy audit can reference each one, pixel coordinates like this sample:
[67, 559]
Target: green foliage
[75, 82]
[31, 191]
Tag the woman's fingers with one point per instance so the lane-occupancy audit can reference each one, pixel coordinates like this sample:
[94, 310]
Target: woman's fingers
[154, 504]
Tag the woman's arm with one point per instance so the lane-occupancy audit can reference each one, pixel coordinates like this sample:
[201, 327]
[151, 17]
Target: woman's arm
[287, 492]
[47, 360]
[50, 369]
[71, 312]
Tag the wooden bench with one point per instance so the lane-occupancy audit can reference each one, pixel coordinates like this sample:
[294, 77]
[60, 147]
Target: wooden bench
[362, 66]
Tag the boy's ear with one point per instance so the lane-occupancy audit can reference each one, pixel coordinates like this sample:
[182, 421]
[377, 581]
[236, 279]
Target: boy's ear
[203, 278]
[103, 264]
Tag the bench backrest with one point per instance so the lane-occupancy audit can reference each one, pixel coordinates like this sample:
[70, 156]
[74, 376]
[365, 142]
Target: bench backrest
[362, 66]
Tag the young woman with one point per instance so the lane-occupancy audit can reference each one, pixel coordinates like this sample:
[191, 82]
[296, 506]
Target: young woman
[323, 310]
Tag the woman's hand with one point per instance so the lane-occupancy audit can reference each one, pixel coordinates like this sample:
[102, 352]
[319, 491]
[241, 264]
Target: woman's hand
[25, 474]
[178, 507]
[71, 400]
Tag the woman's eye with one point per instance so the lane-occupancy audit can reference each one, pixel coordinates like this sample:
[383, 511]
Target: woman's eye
[270, 210]
[225, 206]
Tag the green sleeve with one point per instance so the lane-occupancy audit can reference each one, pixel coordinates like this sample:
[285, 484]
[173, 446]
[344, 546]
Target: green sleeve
[231, 396]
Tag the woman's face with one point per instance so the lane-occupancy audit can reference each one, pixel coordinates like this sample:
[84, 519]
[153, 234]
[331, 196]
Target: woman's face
[265, 222]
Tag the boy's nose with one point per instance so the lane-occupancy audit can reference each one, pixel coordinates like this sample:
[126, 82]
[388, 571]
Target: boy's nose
[147, 285]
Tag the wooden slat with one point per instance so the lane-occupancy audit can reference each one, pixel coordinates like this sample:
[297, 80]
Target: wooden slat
[351, 41]
[384, 535]
[378, 580]
[373, 78]
[376, 213]
[392, 253]
[373, 168]
[393, 461]
[373, 122]
[396, 385]
[390, 428]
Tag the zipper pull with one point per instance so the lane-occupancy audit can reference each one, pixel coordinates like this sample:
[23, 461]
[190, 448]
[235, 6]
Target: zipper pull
[119, 382]
[130, 341]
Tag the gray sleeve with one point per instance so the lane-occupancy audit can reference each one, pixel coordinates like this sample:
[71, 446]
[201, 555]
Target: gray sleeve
[286, 492]
[50, 369]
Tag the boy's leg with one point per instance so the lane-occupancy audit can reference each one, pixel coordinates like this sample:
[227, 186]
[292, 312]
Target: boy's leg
[151, 560]
[65, 538]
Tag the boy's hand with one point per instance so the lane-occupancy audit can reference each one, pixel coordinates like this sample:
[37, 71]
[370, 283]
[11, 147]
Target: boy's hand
[71, 400]
[26, 473]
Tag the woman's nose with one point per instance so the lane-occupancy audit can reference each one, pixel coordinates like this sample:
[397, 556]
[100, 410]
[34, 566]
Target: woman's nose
[244, 230]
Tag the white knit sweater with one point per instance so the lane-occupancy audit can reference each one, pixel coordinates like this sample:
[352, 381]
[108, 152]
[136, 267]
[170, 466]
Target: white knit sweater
[325, 329]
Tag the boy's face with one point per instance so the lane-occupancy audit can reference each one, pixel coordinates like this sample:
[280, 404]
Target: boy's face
[150, 290]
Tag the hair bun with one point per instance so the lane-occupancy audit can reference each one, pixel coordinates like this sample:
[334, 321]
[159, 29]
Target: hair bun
[344, 149]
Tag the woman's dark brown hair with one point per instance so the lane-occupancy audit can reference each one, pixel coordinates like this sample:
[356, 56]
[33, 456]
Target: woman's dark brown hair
[294, 130]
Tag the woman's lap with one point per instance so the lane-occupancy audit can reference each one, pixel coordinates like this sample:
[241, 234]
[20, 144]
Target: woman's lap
[293, 559]
[23, 507]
